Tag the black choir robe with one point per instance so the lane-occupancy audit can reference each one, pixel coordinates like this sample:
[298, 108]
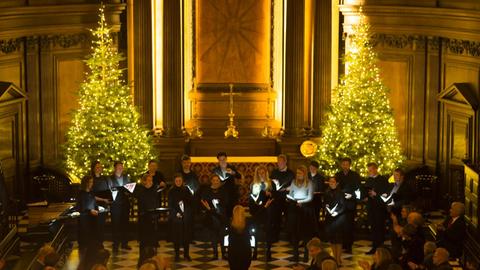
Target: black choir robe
[181, 227]
[335, 225]
[87, 223]
[377, 212]
[120, 209]
[349, 183]
[228, 181]
[264, 217]
[157, 178]
[403, 196]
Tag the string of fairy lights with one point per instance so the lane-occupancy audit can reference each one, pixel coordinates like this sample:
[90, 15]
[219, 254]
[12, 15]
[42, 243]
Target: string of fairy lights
[106, 125]
[360, 122]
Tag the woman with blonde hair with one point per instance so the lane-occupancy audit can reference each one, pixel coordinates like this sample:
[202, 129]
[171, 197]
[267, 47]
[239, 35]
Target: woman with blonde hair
[262, 178]
[262, 192]
[300, 214]
[239, 250]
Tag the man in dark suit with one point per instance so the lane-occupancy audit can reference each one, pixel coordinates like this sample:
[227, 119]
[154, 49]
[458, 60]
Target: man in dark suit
[452, 231]
[227, 175]
[376, 185]
[349, 182]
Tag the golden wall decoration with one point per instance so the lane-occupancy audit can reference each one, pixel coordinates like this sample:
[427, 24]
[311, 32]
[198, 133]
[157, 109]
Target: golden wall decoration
[233, 41]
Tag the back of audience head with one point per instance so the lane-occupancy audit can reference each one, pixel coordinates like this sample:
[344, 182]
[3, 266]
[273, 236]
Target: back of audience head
[51, 259]
[408, 231]
[415, 219]
[457, 209]
[44, 251]
[429, 247]
[328, 264]
[314, 246]
[382, 256]
[440, 256]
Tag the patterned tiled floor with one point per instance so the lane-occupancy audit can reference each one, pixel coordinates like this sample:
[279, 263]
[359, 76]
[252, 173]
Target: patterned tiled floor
[201, 254]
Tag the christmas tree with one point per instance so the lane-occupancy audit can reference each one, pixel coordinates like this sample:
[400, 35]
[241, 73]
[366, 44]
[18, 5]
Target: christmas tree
[106, 126]
[360, 122]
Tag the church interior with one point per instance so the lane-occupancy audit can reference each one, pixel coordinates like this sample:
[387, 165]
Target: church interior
[260, 82]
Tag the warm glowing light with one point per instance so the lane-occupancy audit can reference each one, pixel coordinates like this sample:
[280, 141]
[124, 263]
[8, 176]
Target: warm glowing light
[360, 123]
[157, 62]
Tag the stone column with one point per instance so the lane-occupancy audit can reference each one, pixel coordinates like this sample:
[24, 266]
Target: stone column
[172, 69]
[294, 69]
[322, 57]
[143, 84]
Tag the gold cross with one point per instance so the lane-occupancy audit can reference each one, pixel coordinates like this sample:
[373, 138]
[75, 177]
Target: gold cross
[231, 130]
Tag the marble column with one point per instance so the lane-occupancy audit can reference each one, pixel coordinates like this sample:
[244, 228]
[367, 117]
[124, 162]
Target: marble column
[143, 83]
[322, 57]
[172, 69]
[295, 69]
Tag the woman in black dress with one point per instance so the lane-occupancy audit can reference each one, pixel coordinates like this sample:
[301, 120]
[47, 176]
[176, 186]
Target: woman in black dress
[147, 201]
[214, 202]
[181, 216]
[88, 221]
[120, 208]
[102, 195]
[335, 218]
[239, 250]
[262, 192]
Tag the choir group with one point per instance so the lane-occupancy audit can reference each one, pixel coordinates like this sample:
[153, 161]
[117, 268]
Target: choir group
[281, 198]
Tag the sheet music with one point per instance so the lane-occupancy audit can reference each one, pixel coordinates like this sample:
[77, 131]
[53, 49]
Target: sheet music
[190, 189]
[130, 187]
[290, 197]
[277, 183]
[386, 199]
[255, 198]
[114, 194]
[330, 211]
[215, 203]
[357, 194]
[182, 206]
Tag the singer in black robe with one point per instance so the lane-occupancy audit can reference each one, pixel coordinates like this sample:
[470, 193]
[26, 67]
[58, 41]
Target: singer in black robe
[227, 175]
[376, 185]
[180, 216]
[349, 182]
[102, 195]
[147, 201]
[120, 208]
[213, 200]
[334, 200]
[88, 221]
[319, 187]
[260, 205]
[282, 176]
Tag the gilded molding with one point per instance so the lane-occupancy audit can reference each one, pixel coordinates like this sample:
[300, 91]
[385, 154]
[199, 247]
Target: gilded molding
[463, 47]
[11, 45]
[398, 41]
[64, 41]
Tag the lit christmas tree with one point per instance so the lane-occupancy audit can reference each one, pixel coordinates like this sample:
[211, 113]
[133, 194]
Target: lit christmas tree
[360, 122]
[106, 126]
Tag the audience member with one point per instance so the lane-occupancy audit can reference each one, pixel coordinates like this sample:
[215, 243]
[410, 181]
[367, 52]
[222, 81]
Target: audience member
[452, 231]
[317, 253]
[382, 258]
[428, 250]
[440, 259]
[412, 245]
[52, 259]
[39, 263]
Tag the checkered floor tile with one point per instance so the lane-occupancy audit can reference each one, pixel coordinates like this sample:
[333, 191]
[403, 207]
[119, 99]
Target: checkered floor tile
[201, 253]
